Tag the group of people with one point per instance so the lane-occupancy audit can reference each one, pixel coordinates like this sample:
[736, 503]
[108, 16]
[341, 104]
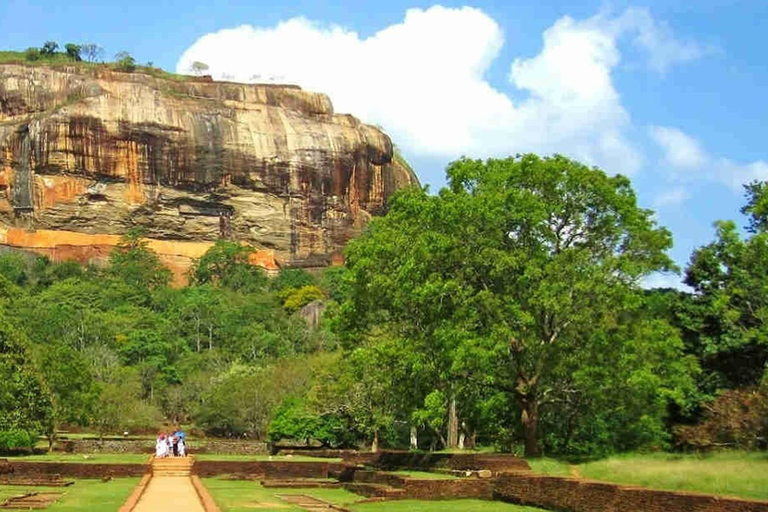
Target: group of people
[171, 445]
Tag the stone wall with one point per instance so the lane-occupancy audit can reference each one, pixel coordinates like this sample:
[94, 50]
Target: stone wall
[266, 469]
[107, 446]
[457, 461]
[448, 489]
[79, 470]
[220, 446]
[571, 495]
[227, 447]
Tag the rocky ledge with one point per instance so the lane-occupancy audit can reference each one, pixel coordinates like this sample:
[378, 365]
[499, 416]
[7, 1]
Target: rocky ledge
[87, 154]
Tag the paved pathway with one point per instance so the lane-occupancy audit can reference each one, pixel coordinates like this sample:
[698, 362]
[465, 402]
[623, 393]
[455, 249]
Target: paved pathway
[170, 493]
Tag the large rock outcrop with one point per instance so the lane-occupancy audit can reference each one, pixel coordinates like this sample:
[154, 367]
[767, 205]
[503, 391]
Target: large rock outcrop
[87, 154]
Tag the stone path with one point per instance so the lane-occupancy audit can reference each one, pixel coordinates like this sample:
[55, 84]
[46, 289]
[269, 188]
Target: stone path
[170, 488]
[170, 493]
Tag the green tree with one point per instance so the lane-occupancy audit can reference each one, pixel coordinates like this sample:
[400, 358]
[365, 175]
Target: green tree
[134, 263]
[74, 392]
[120, 407]
[728, 312]
[49, 48]
[515, 267]
[198, 68]
[73, 51]
[25, 401]
[32, 54]
[292, 278]
[295, 299]
[125, 62]
[227, 264]
[92, 52]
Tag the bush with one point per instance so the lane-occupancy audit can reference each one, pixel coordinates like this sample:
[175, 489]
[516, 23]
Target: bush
[16, 439]
[295, 422]
[292, 278]
[737, 418]
[295, 299]
[32, 54]
[125, 63]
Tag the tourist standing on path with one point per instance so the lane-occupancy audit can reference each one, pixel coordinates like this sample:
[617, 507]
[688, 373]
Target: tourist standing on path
[161, 446]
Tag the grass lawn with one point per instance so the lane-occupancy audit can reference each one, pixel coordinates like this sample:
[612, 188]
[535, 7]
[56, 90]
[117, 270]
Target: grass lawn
[552, 467]
[261, 458]
[91, 495]
[739, 474]
[90, 458]
[727, 473]
[243, 496]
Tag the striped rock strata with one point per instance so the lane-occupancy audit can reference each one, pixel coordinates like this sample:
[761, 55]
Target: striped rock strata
[87, 154]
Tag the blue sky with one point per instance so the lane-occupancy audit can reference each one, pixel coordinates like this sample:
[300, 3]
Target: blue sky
[671, 92]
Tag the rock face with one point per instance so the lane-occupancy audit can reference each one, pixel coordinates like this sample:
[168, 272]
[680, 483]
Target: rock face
[87, 154]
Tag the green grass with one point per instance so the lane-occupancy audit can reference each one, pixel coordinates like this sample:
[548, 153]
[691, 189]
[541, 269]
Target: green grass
[91, 495]
[552, 467]
[728, 473]
[243, 496]
[424, 475]
[91, 458]
[61, 59]
[261, 458]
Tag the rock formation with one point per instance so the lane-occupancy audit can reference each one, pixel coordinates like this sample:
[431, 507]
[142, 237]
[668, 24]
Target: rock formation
[87, 154]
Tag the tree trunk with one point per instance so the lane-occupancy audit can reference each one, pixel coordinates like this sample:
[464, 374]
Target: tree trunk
[530, 420]
[453, 425]
[375, 444]
[414, 438]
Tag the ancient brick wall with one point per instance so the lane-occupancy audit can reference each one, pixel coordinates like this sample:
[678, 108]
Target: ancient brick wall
[570, 495]
[220, 446]
[266, 469]
[78, 470]
[448, 489]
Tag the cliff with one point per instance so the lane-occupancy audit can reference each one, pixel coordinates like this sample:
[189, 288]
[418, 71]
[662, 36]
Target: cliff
[88, 153]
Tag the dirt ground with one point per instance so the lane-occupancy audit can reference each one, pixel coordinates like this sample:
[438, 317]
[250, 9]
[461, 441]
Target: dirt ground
[170, 493]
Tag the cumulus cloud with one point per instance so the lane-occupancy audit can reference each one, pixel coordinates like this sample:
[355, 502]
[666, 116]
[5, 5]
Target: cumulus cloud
[657, 40]
[424, 79]
[684, 154]
[680, 150]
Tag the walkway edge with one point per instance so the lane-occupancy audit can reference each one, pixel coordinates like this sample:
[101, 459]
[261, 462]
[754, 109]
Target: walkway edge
[205, 497]
[137, 493]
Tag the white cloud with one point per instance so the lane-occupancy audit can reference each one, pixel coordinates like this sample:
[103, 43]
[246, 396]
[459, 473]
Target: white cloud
[656, 38]
[684, 153]
[424, 80]
[665, 280]
[680, 150]
[672, 197]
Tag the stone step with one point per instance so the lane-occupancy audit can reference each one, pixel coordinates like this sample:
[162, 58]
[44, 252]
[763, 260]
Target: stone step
[300, 483]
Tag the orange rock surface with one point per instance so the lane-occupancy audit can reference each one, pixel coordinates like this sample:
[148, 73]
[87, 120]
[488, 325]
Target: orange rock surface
[86, 154]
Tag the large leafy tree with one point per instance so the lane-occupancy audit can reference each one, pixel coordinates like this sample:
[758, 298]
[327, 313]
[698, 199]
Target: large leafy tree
[25, 401]
[727, 313]
[515, 271]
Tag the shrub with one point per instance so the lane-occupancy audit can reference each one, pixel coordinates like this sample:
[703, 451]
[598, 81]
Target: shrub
[295, 422]
[32, 54]
[16, 439]
[737, 418]
[125, 63]
[295, 299]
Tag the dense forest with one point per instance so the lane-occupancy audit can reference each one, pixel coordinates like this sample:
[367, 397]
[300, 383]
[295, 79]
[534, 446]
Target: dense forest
[506, 310]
